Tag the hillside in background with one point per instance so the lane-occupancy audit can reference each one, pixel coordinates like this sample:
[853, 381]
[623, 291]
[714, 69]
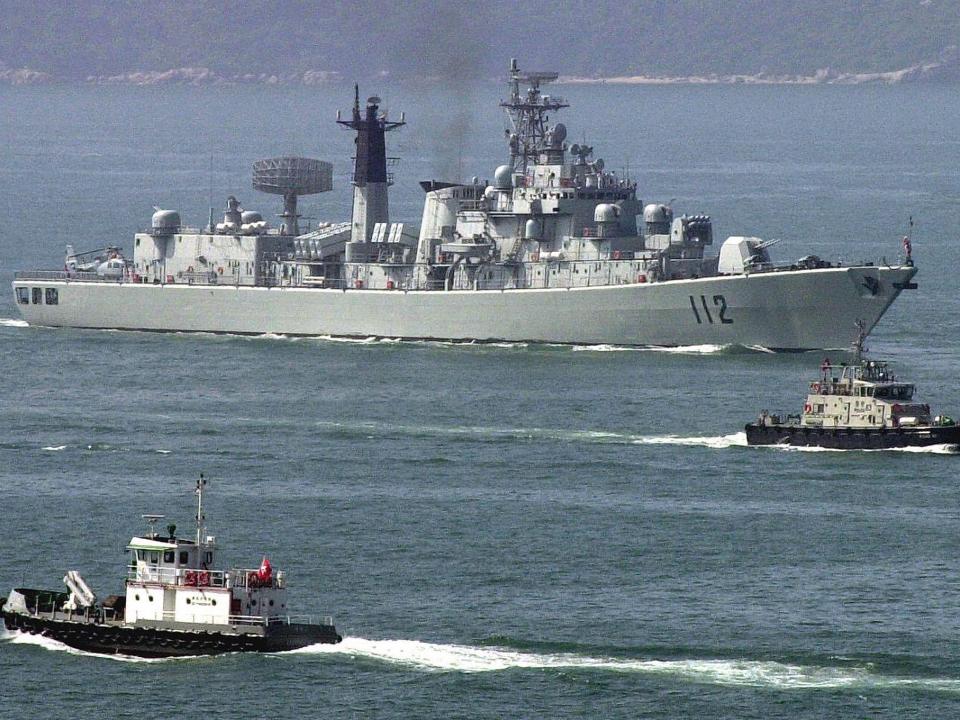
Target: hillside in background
[300, 41]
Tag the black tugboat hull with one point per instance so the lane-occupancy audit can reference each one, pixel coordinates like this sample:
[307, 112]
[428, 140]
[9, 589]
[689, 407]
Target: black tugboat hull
[851, 438]
[162, 643]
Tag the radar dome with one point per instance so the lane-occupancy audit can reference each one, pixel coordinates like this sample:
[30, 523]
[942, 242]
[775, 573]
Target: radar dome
[503, 177]
[605, 212]
[250, 216]
[655, 213]
[559, 133]
[165, 220]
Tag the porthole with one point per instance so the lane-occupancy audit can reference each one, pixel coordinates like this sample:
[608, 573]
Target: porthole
[150, 598]
[271, 603]
[136, 597]
[213, 602]
[188, 601]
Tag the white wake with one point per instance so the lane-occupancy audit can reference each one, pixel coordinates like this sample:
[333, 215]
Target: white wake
[434, 657]
[437, 657]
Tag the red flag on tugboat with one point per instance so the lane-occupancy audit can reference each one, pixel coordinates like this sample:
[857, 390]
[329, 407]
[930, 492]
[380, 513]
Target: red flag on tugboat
[265, 573]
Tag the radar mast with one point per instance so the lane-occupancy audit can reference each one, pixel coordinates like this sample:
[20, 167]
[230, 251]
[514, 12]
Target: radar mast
[528, 115]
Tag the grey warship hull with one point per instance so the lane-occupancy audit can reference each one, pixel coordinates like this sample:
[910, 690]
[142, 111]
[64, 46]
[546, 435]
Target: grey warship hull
[790, 310]
[555, 249]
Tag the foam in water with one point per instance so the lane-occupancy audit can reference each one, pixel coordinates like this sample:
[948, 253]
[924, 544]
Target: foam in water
[433, 657]
[20, 638]
[718, 442]
[680, 349]
[11, 322]
[55, 448]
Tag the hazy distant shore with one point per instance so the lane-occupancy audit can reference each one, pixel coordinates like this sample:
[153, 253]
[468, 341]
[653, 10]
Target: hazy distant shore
[202, 76]
[926, 72]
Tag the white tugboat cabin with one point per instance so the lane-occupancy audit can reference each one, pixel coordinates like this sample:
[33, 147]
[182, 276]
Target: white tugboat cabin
[173, 580]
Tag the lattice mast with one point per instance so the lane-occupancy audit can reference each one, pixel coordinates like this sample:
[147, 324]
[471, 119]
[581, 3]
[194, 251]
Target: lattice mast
[527, 112]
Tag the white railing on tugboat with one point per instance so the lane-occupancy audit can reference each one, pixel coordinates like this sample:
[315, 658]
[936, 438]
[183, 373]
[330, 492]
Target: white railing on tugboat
[178, 576]
[250, 620]
[191, 577]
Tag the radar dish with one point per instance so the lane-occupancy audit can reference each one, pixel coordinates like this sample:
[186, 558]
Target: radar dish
[575, 149]
[559, 133]
[373, 100]
[292, 175]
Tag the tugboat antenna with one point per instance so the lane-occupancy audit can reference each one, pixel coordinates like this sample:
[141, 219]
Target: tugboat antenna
[858, 345]
[152, 522]
[200, 516]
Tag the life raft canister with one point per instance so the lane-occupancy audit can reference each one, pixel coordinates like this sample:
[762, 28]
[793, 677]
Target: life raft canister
[807, 408]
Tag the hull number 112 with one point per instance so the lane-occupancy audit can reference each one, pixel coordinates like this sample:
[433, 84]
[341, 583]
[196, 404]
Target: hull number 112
[719, 307]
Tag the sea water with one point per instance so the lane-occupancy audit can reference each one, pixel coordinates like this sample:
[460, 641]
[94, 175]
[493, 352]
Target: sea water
[503, 530]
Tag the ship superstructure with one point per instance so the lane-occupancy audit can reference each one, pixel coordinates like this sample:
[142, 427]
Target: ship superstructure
[555, 248]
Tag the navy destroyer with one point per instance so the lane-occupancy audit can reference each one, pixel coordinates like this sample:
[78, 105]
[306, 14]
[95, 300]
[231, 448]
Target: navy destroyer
[176, 603]
[557, 248]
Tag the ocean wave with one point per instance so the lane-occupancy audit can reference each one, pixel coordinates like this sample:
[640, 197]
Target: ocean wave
[55, 448]
[21, 638]
[434, 657]
[12, 322]
[679, 349]
[939, 449]
[717, 442]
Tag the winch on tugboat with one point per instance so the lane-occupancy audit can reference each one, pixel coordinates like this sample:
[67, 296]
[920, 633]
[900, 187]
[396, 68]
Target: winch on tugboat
[176, 603]
[860, 406]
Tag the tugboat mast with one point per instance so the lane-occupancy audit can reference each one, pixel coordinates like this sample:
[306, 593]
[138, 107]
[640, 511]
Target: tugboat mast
[858, 345]
[200, 516]
[528, 115]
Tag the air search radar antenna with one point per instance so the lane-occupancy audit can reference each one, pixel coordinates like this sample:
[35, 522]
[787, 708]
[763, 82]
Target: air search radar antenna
[152, 522]
[292, 177]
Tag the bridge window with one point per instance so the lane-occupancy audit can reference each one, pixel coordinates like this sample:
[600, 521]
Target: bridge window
[53, 296]
[183, 557]
[36, 295]
[23, 295]
[168, 556]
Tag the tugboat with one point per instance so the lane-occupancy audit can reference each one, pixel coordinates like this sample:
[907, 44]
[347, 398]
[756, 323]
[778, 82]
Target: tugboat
[861, 406]
[176, 604]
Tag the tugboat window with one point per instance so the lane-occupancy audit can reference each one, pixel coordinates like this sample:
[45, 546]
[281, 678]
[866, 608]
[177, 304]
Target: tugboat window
[168, 556]
[183, 557]
[53, 296]
[154, 558]
[23, 296]
[37, 295]
[208, 557]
